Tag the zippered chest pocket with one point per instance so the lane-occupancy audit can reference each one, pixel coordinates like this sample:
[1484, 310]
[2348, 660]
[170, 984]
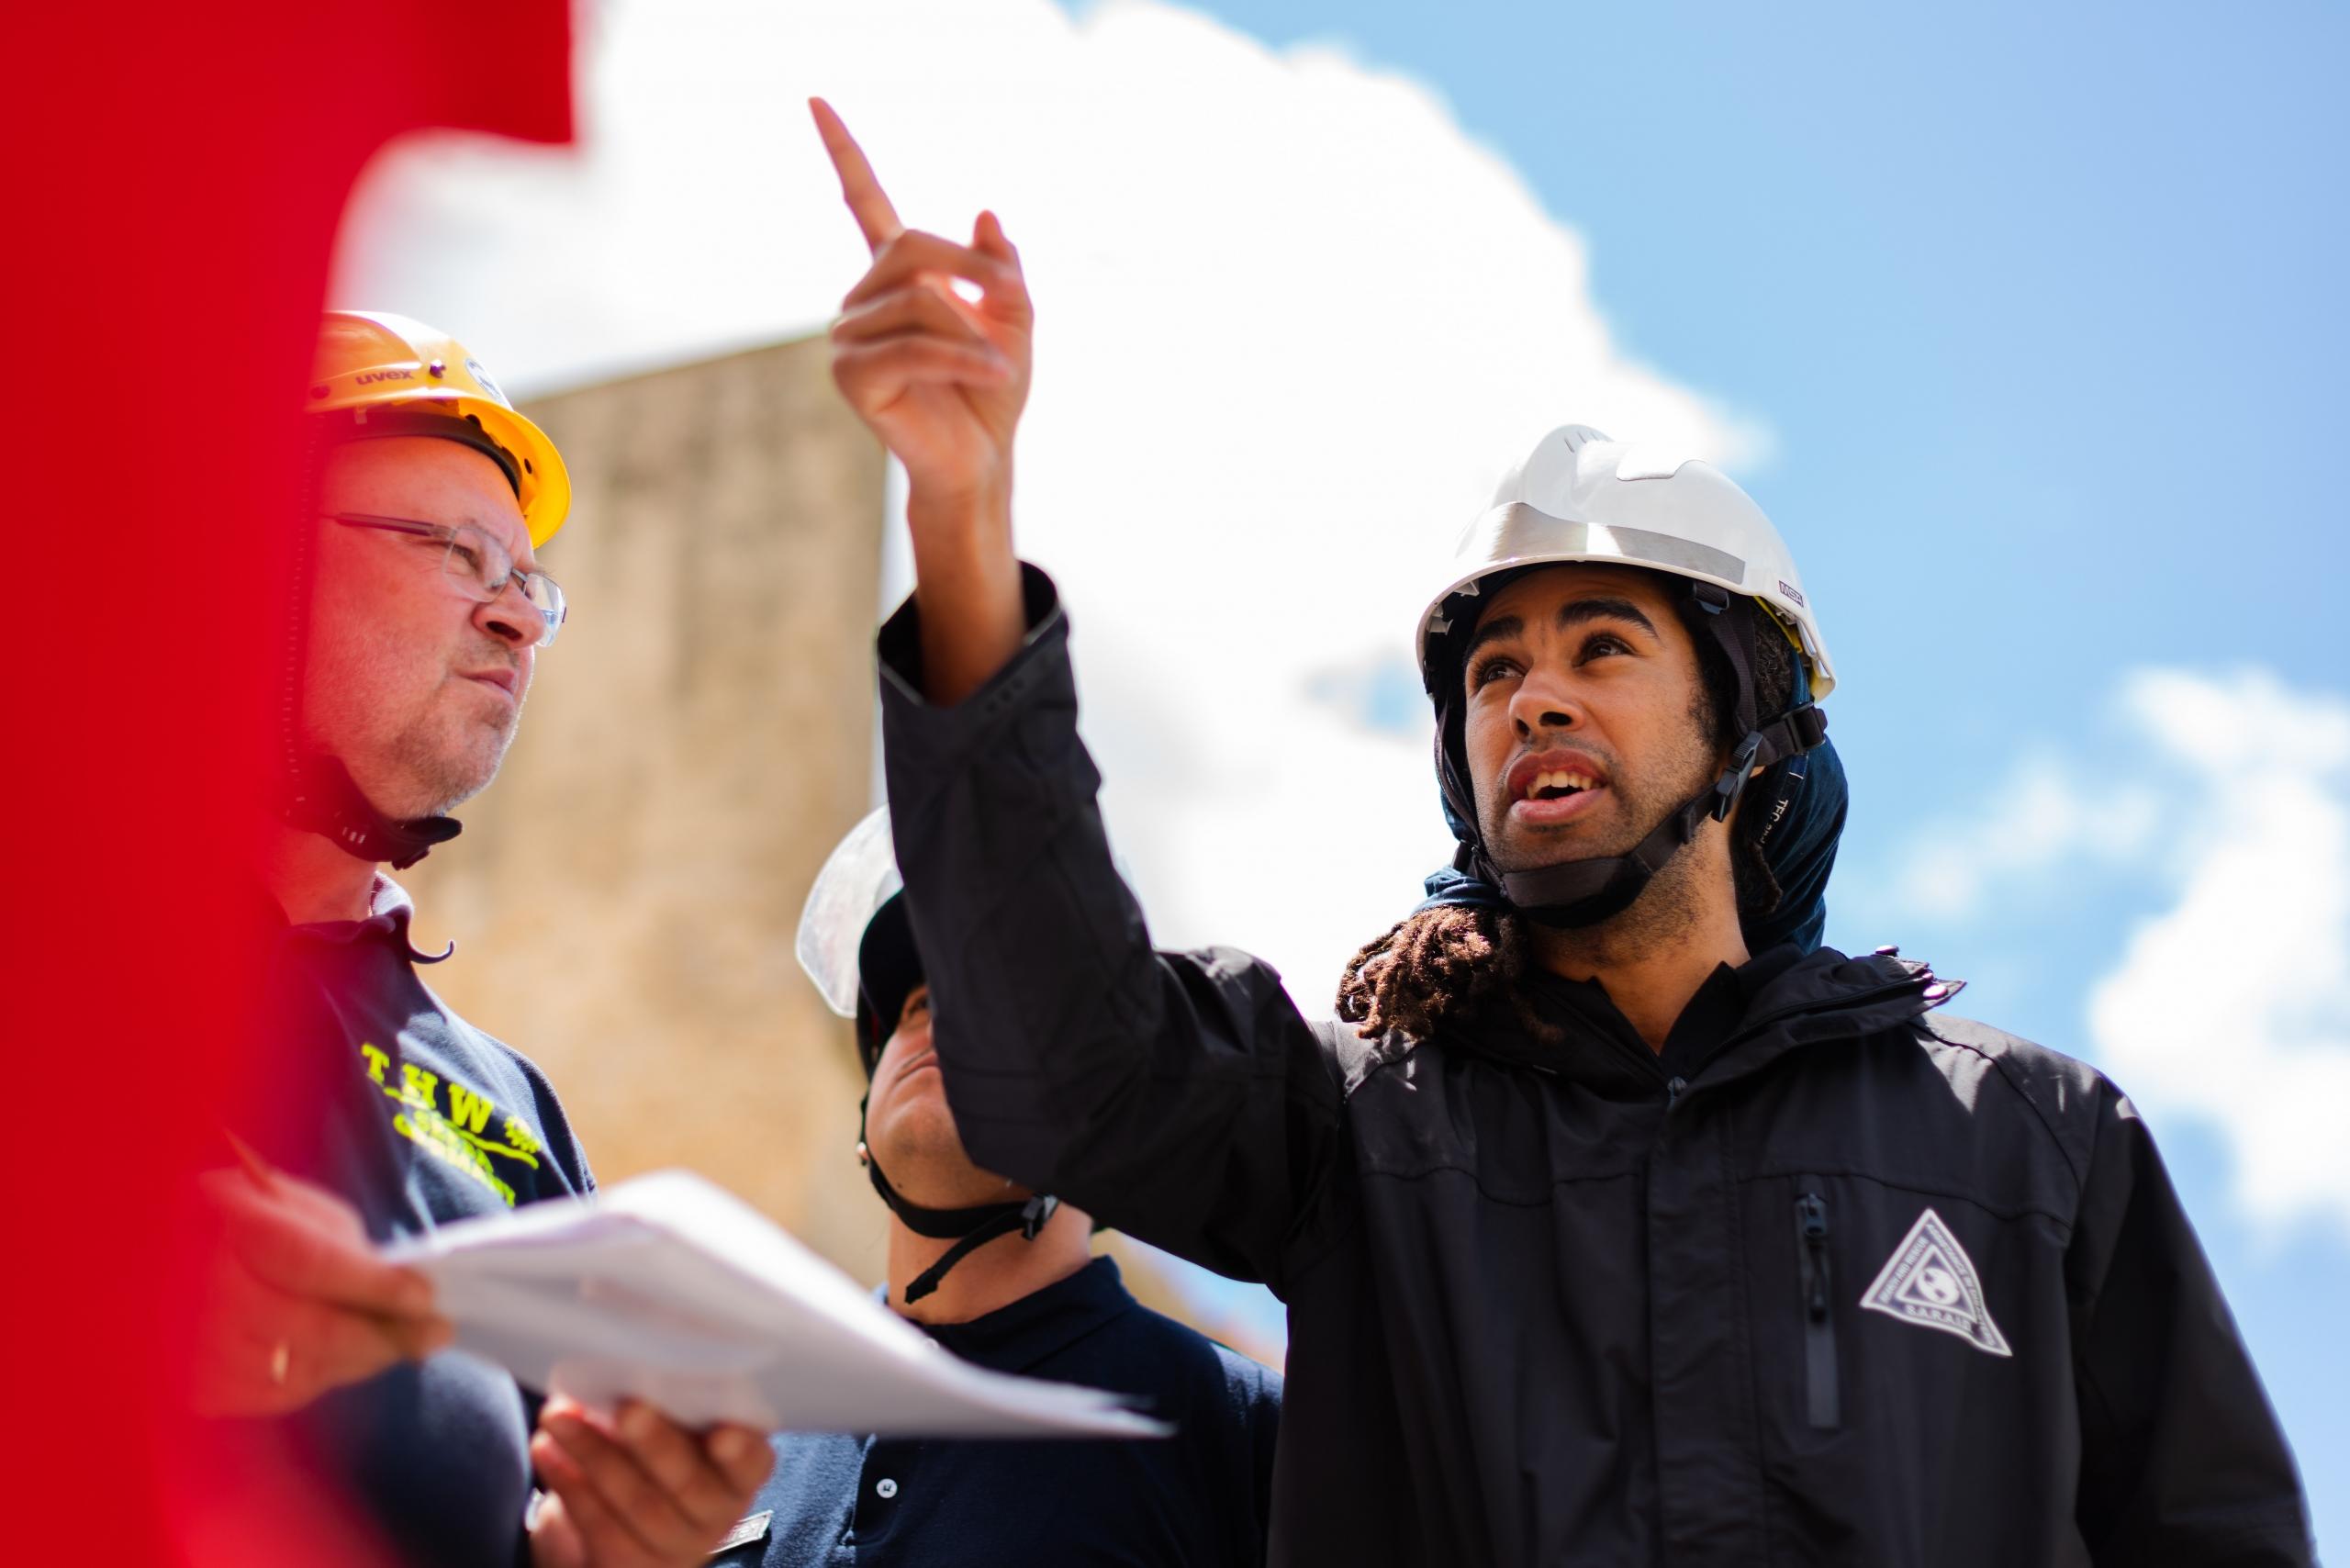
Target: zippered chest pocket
[1815, 1279]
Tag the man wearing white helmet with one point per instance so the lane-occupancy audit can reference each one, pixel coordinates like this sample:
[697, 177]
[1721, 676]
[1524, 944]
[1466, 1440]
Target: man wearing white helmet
[1605, 1238]
[1003, 1277]
[416, 613]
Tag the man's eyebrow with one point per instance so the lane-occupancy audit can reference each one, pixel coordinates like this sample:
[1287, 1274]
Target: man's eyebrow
[1576, 611]
[1499, 627]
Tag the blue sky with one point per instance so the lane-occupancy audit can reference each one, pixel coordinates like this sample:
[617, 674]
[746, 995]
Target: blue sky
[2043, 307]
[2036, 310]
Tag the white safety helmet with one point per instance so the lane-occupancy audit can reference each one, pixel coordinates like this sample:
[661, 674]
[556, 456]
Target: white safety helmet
[860, 877]
[856, 941]
[1582, 497]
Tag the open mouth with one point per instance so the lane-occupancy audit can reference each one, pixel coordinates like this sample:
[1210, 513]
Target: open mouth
[1556, 785]
[1554, 788]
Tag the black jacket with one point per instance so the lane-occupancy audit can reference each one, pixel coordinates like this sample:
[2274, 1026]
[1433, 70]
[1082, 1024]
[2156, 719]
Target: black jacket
[1837, 1279]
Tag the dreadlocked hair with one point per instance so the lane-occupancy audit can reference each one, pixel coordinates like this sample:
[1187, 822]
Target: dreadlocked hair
[1453, 966]
[1443, 966]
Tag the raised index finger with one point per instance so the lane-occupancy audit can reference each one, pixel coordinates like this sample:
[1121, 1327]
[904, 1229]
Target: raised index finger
[863, 193]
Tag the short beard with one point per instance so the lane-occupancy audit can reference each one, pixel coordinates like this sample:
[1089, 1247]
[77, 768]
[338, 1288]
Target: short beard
[439, 777]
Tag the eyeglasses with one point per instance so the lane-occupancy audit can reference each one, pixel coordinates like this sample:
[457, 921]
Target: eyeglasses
[477, 564]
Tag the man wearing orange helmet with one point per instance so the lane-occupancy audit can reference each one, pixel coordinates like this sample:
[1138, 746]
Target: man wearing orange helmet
[417, 613]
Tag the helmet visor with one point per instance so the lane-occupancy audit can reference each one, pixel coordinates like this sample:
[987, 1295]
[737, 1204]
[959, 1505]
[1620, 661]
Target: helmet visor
[861, 875]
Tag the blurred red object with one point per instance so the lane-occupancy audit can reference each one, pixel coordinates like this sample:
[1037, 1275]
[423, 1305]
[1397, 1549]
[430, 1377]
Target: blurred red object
[173, 181]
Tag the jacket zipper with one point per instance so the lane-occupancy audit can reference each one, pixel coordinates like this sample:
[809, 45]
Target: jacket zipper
[1820, 1401]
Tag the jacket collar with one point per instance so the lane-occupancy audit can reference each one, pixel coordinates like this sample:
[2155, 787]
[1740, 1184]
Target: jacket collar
[1779, 1003]
[1826, 997]
[389, 911]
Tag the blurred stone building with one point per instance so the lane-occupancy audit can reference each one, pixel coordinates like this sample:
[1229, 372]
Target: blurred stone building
[624, 900]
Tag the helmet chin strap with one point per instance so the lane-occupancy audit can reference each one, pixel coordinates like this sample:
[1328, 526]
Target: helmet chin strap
[322, 797]
[969, 1228]
[1579, 893]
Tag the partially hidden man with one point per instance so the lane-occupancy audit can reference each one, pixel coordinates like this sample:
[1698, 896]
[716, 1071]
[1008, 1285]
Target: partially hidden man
[415, 616]
[1604, 1237]
[1003, 1277]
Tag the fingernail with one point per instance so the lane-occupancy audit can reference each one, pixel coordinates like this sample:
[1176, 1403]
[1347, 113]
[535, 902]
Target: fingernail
[730, 1445]
[636, 1422]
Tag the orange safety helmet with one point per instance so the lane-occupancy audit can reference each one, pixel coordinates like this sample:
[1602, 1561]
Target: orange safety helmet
[371, 360]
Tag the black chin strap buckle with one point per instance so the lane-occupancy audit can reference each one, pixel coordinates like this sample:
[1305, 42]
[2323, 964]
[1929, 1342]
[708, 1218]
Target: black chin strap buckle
[969, 1228]
[320, 796]
[1027, 1218]
[1732, 783]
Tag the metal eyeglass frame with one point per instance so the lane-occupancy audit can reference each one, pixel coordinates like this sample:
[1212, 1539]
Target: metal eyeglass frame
[552, 613]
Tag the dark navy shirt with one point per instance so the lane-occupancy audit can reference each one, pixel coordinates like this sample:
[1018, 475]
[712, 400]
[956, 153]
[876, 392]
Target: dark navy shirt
[1197, 1498]
[419, 1119]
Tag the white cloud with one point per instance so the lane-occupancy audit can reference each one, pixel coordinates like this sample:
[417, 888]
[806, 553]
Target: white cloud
[2043, 818]
[1291, 323]
[2232, 1006]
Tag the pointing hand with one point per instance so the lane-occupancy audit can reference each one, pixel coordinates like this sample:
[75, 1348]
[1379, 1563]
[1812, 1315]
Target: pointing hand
[932, 346]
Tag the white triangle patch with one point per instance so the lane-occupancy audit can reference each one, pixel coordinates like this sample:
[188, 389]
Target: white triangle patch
[1931, 1280]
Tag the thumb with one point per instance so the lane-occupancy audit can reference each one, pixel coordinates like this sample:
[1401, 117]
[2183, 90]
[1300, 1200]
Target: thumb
[554, 1540]
[987, 237]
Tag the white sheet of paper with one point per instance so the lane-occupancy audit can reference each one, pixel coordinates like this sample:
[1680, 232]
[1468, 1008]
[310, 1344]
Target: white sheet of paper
[671, 1289]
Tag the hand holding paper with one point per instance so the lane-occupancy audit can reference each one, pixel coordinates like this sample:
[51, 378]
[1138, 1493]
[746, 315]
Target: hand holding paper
[637, 1490]
[669, 1290]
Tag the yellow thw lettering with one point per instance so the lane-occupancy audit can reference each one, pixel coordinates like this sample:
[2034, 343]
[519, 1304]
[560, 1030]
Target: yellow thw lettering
[467, 1109]
[519, 1137]
[418, 1084]
[377, 1060]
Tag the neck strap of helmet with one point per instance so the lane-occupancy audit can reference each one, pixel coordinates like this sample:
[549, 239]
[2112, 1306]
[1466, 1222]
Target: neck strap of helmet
[1583, 893]
[969, 1228]
[320, 796]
